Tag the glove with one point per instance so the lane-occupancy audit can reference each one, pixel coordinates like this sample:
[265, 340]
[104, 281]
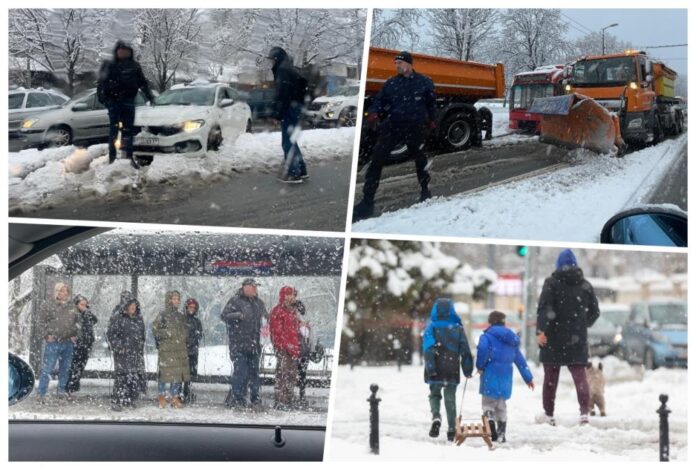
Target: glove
[432, 125]
[372, 120]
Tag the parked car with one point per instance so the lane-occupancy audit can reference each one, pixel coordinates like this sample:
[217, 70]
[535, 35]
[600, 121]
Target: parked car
[82, 119]
[604, 337]
[339, 108]
[24, 103]
[656, 334]
[262, 102]
[191, 119]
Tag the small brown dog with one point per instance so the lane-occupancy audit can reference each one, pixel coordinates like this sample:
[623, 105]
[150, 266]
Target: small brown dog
[595, 378]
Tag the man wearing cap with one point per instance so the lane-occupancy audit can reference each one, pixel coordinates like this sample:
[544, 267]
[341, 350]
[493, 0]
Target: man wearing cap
[406, 103]
[242, 315]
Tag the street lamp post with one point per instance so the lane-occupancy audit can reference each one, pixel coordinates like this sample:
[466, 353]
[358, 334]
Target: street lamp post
[603, 29]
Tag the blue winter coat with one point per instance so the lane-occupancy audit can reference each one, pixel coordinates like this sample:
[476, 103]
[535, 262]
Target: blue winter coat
[445, 346]
[406, 99]
[498, 349]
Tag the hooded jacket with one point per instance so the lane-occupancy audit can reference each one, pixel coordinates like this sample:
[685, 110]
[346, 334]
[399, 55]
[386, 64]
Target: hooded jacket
[290, 85]
[285, 326]
[242, 316]
[120, 79]
[567, 308]
[195, 328]
[445, 348]
[171, 334]
[126, 337]
[498, 349]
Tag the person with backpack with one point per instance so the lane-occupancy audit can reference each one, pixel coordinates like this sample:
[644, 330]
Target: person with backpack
[120, 79]
[291, 90]
[445, 350]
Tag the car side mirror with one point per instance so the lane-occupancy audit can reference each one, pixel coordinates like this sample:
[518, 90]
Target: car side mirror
[651, 226]
[20, 378]
[226, 102]
[80, 107]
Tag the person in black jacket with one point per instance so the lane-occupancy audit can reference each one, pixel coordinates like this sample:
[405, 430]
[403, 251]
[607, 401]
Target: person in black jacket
[126, 337]
[407, 103]
[120, 80]
[83, 345]
[567, 308]
[291, 89]
[243, 315]
[195, 334]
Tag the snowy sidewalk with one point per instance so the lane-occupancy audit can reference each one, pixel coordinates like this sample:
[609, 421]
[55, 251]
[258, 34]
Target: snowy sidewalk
[55, 177]
[628, 432]
[570, 204]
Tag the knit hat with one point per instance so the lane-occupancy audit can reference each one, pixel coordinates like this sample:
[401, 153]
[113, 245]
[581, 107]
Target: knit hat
[566, 258]
[405, 56]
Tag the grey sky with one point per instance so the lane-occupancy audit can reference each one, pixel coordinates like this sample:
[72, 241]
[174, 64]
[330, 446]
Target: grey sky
[642, 27]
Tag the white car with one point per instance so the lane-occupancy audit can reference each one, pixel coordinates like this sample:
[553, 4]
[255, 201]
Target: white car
[25, 103]
[339, 108]
[191, 119]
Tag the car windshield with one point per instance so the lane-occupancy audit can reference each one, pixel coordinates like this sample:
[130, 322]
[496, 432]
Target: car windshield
[345, 91]
[196, 96]
[668, 314]
[125, 357]
[80, 98]
[613, 71]
[616, 317]
[524, 95]
[602, 323]
[15, 100]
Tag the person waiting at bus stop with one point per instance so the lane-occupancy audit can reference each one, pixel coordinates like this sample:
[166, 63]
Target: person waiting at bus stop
[284, 326]
[407, 102]
[243, 315]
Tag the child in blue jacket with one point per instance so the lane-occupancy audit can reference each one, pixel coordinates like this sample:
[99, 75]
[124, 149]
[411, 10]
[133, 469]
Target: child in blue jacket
[445, 350]
[498, 349]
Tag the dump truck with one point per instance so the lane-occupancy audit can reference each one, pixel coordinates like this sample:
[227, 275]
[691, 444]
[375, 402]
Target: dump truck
[613, 101]
[458, 86]
[541, 82]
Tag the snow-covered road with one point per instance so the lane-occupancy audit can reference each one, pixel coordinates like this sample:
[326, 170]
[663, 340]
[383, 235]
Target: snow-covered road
[55, 177]
[628, 432]
[569, 204]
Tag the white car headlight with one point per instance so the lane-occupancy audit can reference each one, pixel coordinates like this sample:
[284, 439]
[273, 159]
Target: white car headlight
[189, 126]
[29, 123]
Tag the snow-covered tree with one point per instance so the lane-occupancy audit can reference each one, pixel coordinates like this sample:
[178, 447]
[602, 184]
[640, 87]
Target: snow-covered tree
[396, 29]
[461, 33]
[228, 38]
[591, 44]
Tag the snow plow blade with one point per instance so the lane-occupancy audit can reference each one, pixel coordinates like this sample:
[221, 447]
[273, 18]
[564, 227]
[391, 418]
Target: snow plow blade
[576, 121]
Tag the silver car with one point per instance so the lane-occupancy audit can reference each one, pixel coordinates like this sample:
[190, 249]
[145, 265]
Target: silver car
[82, 119]
[24, 103]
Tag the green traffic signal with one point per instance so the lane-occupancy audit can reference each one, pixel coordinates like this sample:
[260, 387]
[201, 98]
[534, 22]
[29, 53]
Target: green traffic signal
[522, 251]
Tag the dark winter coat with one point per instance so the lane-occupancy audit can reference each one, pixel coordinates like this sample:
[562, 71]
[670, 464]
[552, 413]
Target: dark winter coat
[86, 320]
[126, 337]
[120, 80]
[498, 348]
[171, 335]
[408, 100]
[242, 316]
[284, 326]
[60, 319]
[195, 331]
[445, 348]
[290, 85]
[567, 308]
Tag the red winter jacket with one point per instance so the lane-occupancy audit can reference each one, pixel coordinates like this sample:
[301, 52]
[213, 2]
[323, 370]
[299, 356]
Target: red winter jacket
[285, 326]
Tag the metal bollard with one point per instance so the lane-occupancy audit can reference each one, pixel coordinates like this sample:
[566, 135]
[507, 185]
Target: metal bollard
[664, 412]
[374, 419]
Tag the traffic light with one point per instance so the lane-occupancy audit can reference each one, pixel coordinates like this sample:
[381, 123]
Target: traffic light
[522, 251]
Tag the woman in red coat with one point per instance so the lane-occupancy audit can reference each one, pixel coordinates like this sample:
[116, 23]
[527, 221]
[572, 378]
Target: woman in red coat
[285, 336]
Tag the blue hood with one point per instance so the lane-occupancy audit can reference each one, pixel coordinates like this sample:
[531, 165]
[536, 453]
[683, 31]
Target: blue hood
[443, 310]
[676, 337]
[504, 335]
[566, 258]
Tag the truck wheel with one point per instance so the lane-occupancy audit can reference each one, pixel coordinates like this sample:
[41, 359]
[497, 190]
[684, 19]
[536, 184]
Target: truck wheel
[679, 122]
[658, 132]
[456, 132]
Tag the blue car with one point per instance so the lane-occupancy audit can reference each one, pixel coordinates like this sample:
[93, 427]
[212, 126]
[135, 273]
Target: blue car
[656, 334]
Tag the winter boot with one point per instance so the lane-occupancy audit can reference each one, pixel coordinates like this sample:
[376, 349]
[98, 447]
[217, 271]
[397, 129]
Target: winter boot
[491, 424]
[363, 210]
[584, 419]
[502, 427]
[450, 435]
[435, 427]
[162, 402]
[425, 194]
[176, 402]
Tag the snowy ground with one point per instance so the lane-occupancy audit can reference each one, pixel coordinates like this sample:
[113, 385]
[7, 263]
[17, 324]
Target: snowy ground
[52, 177]
[502, 134]
[628, 432]
[570, 203]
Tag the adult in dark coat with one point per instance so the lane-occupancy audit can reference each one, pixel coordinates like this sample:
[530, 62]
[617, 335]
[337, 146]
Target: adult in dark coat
[243, 315]
[195, 334]
[567, 308]
[291, 89]
[407, 104]
[126, 337]
[120, 79]
[83, 345]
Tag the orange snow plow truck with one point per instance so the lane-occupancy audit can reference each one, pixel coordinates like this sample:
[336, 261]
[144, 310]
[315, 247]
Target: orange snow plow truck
[612, 101]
